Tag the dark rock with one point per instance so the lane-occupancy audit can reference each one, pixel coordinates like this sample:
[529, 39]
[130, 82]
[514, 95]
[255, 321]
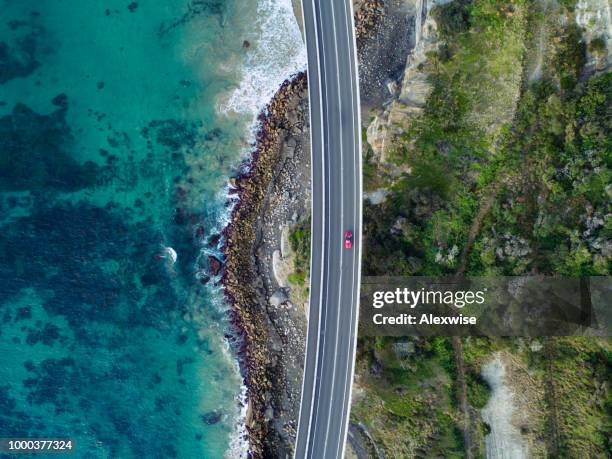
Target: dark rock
[20, 62]
[24, 313]
[204, 280]
[214, 265]
[180, 218]
[61, 100]
[213, 134]
[376, 368]
[174, 134]
[214, 240]
[36, 154]
[212, 417]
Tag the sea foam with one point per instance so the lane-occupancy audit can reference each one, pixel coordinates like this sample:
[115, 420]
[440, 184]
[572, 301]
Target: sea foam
[278, 53]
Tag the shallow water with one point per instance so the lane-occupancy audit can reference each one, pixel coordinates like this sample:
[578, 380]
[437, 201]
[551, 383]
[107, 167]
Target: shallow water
[117, 142]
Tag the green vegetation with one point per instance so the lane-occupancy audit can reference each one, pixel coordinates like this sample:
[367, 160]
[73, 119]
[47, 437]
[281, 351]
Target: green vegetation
[552, 210]
[478, 391]
[580, 371]
[476, 80]
[372, 179]
[299, 238]
[570, 57]
[410, 395]
[508, 174]
[453, 18]
[597, 46]
[298, 278]
[504, 178]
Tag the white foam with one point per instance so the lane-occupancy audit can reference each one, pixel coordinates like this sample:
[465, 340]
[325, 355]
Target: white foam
[278, 54]
[239, 444]
[171, 254]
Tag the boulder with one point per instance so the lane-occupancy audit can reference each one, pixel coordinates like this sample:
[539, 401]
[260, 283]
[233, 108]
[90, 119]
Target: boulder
[214, 240]
[214, 265]
[278, 297]
[279, 269]
[204, 280]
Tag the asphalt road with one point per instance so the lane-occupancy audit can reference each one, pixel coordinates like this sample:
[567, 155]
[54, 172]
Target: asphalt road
[336, 208]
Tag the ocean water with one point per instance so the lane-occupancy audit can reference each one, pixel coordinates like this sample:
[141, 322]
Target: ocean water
[120, 123]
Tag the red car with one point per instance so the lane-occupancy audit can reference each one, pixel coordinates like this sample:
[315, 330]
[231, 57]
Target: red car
[348, 240]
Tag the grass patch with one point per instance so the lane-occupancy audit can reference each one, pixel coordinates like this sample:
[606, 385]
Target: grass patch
[409, 403]
[478, 391]
[299, 239]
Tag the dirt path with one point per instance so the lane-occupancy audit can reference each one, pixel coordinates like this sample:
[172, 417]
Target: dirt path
[489, 193]
[536, 73]
[551, 397]
[462, 393]
[543, 7]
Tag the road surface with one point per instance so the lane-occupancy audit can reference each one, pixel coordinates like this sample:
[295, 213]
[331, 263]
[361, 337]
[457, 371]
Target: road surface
[336, 208]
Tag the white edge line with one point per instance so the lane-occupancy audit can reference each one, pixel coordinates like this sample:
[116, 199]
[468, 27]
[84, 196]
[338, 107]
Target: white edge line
[347, 372]
[341, 248]
[359, 203]
[308, 75]
[321, 337]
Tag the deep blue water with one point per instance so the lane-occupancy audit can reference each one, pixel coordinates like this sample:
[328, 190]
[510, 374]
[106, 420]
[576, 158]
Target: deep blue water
[112, 150]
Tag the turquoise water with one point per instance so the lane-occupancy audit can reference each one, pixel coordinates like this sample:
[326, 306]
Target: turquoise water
[116, 146]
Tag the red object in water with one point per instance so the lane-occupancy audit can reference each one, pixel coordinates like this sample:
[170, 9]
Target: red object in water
[348, 240]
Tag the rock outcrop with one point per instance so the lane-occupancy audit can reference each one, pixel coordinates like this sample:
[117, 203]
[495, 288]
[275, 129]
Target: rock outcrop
[385, 36]
[410, 94]
[595, 19]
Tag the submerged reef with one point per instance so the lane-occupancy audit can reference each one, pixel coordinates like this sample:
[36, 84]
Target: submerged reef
[36, 151]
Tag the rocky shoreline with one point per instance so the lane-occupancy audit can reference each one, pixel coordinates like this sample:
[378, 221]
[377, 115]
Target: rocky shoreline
[254, 327]
[269, 324]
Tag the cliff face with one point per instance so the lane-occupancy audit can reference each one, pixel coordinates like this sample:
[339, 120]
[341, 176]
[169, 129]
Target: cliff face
[406, 95]
[383, 45]
[595, 18]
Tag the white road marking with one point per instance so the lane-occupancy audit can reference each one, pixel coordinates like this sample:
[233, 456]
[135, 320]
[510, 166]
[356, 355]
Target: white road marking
[312, 162]
[340, 246]
[322, 347]
[357, 159]
[359, 204]
[321, 341]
